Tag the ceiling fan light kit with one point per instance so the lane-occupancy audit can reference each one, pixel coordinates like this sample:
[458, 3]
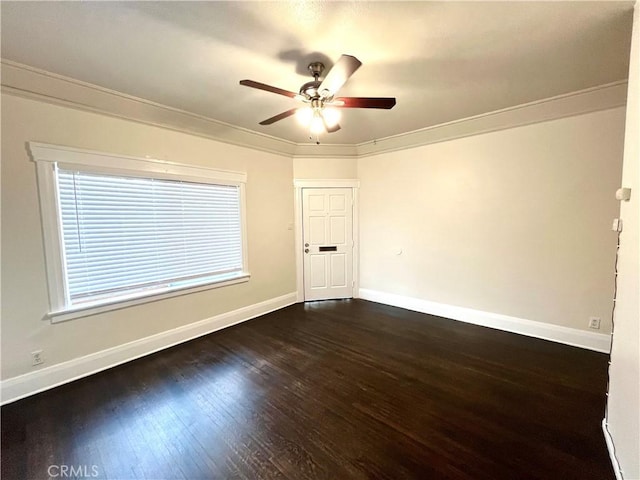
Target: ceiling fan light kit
[321, 112]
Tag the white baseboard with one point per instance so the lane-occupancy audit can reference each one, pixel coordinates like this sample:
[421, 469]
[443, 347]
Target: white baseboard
[599, 342]
[611, 449]
[34, 382]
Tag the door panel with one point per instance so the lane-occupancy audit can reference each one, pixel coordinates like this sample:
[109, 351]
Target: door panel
[318, 271]
[316, 203]
[328, 223]
[317, 230]
[337, 230]
[338, 270]
[337, 203]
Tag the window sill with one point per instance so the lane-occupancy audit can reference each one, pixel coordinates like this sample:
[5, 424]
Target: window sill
[80, 311]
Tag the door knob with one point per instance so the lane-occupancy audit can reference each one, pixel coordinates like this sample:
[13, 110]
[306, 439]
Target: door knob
[306, 250]
[306, 244]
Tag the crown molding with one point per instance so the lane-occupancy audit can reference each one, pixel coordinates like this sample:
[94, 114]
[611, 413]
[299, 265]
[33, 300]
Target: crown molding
[26, 81]
[602, 97]
[29, 82]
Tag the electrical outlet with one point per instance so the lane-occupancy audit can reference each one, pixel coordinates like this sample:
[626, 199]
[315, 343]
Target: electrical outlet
[37, 358]
[594, 322]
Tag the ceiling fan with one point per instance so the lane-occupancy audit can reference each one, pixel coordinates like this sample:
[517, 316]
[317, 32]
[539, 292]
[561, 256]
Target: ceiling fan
[320, 112]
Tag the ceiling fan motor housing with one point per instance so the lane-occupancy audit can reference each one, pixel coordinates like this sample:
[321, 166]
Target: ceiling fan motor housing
[310, 89]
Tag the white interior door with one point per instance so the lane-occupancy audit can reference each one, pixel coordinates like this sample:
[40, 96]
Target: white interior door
[327, 221]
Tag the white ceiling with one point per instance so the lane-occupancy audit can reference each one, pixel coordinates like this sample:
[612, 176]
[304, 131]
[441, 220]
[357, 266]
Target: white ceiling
[443, 61]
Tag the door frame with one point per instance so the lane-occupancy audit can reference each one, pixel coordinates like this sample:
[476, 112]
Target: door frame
[299, 185]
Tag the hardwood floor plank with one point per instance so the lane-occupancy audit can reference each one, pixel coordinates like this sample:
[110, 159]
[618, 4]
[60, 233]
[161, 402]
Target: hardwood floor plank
[326, 390]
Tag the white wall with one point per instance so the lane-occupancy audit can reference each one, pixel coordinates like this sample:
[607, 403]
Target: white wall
[24, 289]
[325, 168]
[624, 389]
[515, 222]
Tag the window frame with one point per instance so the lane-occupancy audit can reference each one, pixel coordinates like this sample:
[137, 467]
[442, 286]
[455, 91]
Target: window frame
[49, 157]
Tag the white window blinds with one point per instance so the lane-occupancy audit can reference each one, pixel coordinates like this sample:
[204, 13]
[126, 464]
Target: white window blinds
[128, 236]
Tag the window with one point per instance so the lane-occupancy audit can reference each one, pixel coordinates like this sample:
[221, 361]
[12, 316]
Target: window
[122, 230]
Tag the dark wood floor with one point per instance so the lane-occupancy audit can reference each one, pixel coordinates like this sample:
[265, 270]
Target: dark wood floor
[327, 390]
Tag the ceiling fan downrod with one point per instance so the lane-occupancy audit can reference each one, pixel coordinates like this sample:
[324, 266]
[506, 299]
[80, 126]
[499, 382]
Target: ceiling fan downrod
[310, 89]
[316, 69]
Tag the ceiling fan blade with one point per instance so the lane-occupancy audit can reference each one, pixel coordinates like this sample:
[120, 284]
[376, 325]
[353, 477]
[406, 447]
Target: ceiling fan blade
[366, 102]
[268, 88]
[330, 129]
[338, 75]
[335, 128]
[278, 117]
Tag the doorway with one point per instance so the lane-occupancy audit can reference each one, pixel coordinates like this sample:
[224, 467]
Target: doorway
[326, 239]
